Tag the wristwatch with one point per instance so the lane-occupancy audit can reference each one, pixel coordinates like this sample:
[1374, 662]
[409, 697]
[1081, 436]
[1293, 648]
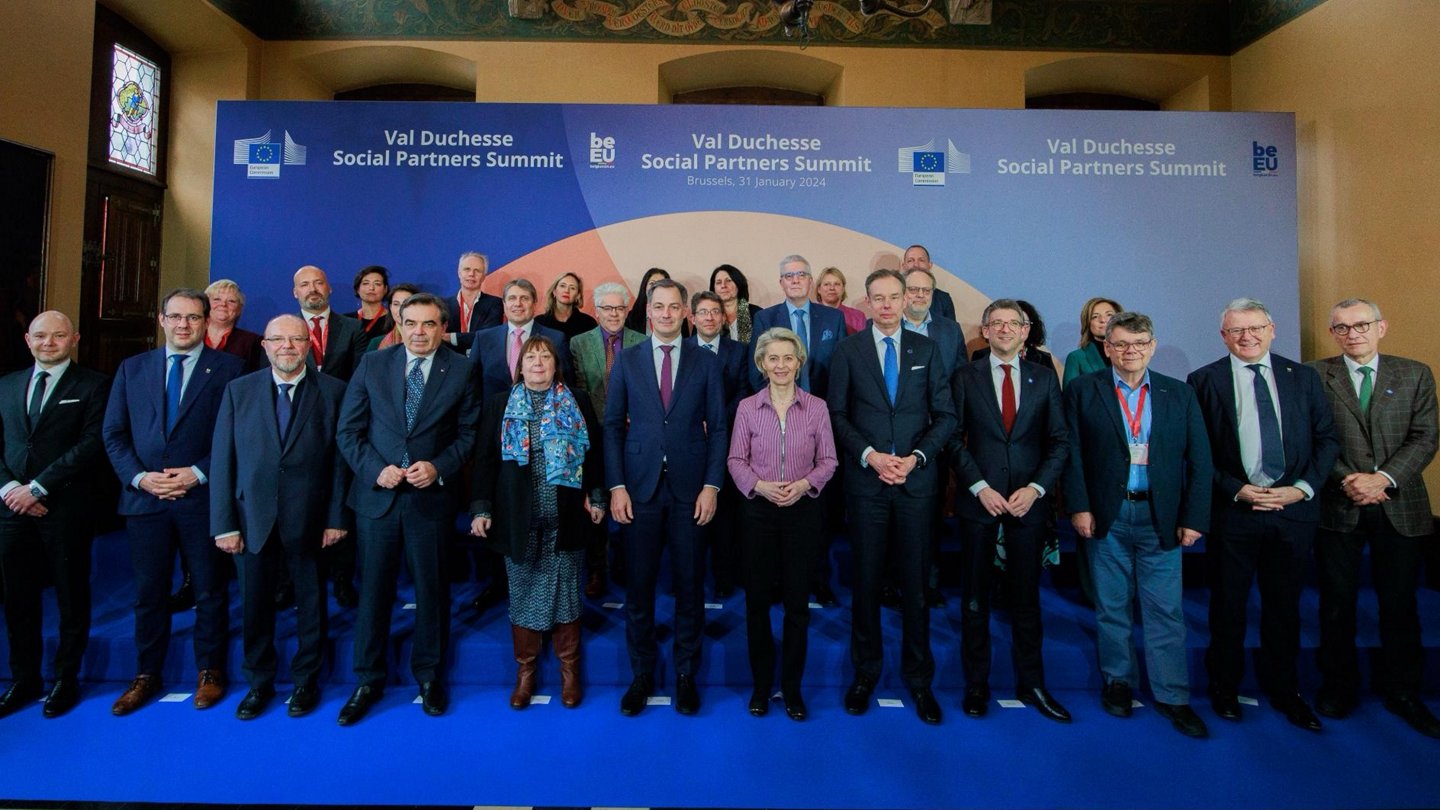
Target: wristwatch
[36, 491]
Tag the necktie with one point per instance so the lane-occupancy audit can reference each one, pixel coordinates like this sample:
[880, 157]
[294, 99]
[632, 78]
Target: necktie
[1272, 450]
[611, 344]
[712, 347]
[666, 373]
[1367, 387]
[38, 396]
[173, 386]
[804, 335]
[282, 408]
[1007, 399]
[414, 389]
[892, 370]
[317, 340]
[514, 358]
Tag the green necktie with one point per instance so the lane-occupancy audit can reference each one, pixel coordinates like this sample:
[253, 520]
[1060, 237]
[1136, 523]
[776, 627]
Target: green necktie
[1366, 389]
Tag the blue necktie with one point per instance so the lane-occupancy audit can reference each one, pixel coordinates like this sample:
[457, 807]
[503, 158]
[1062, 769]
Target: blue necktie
[37, 398]
[1272, 449]
[282, 409]
[414, 389]
[799, 316]
[892, 370]
[174, 387]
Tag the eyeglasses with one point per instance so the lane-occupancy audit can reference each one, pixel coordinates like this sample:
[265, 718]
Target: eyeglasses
[920, 290]
[1240, 331]
[291, 340]
[177, 319]
[795, 275]
[1123, 346]
[610, 310]
[1012, 325]
[1343, 329]
[701, 313]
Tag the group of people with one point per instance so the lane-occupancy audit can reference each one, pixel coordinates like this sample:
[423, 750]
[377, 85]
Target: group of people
[331, 444]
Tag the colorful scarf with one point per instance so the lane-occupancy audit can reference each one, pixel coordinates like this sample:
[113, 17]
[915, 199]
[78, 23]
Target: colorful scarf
[563, 433]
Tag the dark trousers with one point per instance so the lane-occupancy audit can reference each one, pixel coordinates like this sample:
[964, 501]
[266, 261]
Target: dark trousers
[260, 576]
[667, 519]
[1275, 551]
[1395, 571]
[720, 537]
[780, 546]
[55, 548]
[1024, 550]
[419, 534]
[832, 510]
[153, 541]
[891, 523]
[337, 563]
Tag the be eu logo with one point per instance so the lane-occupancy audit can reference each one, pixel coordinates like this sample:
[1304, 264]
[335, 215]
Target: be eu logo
[1264, 160]
[602, 151]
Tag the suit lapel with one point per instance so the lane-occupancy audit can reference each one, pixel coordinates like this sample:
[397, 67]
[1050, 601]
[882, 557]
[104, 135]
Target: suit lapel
[871, 363]
[302, 403]
[63, 387]
[985, 382]
[268, 393]
[199, 379]
[682, 370]
[1290, 417]
[439, 363]
[1160, 400]
[1337, 379]
[1109, 403]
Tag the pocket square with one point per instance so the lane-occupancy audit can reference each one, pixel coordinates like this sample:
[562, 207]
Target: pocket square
[916, 368]
[67, 401]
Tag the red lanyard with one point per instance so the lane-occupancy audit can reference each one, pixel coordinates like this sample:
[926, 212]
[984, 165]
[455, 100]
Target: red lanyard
[1133, 420]
[370, 324]
[464, 313]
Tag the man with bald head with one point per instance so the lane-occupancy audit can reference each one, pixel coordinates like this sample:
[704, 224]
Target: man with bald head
[52, 452]
[336, 343]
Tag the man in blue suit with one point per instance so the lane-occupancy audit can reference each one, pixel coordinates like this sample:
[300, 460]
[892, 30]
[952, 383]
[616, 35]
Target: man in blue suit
[1272, 432]
[917, 257]
[1137, 486]
[707, 315]
[666, 439]
[407, 427]
[278, 497]
[819, 326]
[496, 350]
[158, 427]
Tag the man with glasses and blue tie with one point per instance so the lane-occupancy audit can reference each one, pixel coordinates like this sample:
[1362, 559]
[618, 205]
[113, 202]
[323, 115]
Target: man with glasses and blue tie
[158, 426]
[820, 327]
[1272, 433]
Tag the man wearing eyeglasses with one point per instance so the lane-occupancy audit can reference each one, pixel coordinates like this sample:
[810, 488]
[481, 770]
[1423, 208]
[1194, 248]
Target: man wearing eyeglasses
[278, 498]
[1273, 437]
[158, 427]
[917, 257]
[819, 327]
[1137, 484]
[1385, 416]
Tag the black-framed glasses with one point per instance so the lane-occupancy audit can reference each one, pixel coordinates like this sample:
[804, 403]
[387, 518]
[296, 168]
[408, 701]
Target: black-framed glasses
[610, 310]
[176, 318]
[1123, 346]
[1343, 329]
[1241, 331]
[1013, 325]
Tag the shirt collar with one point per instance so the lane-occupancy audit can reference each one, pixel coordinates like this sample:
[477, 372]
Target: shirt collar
[190, 353]
[1354, 367]
[324, 316]
[55, 371]
[1237, 364]
[791, 309]
[294, 382]
[526, 327]
[925, 324]
[656, 342]
[1115, 377]
[879, 337]
[996, 362]
[411, 357]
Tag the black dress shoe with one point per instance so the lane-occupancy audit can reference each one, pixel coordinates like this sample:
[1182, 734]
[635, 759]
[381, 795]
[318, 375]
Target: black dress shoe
[794, 704]
[857, 699]
[927, 708]
[687, 697]
[1295, 710]
[934, 598]
[18, 696]
[62, 698]
[1334, 704]
[253, 703]
[303, 700]
[1183, 718]
[434, 698]
[1226, 705]
[824, 597]
[361, 700]
[1116, 697]
[634, 700]
[345, 595]
[1411, 710]
[890, 597]
[976, 702]
[1047, 705]
[759, 702]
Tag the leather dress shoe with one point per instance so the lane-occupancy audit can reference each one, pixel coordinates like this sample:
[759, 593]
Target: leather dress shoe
[976, 702]
[209, 688]
[1116, 698]
[794, 704]
[825, 597]
[1334, 704]
[687, 697]
[927, 708]
[635, 698]
[1411, 710]
[1042, 700]
[857, 698]
[1183, 718]
[1226, 704]
[303, 700]
[434, 698]
[346, 595]
[361, 700]
[18, 696]
[141, 691]
[1295, 710]
[254, 703]
[759, 702]
[62, 698]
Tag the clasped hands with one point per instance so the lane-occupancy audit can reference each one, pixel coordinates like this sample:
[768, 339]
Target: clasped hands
[23, 502]
[1366, 489]
[782, 493]
[1269, 499]
[170, 484]
[1018, 504]
[892, 469]
[420, 475]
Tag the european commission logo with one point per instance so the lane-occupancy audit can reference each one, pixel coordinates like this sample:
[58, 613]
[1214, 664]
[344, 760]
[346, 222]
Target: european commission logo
[263, 158]
[928, 166]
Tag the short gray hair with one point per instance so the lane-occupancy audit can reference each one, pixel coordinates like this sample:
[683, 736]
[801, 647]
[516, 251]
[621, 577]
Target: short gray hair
[1133, 322]
[773, 335]
[612, 288]
[484, 260]
[1359, 302]
[794, 258]
[1245, 305]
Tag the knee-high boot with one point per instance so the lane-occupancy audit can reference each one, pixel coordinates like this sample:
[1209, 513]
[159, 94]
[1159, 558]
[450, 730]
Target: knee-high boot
[527, 652]
[566, 639]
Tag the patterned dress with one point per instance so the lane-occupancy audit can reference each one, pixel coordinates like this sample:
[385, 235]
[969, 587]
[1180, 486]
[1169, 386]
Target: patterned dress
[545, 585]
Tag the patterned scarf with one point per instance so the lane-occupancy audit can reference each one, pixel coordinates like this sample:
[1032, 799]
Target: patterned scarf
[742, 320]
[563, 434]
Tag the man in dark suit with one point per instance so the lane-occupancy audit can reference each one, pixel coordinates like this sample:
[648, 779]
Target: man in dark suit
[1008, 455]
[407, 427]
[820, 327]
[159, 422]
[1385, 416]
[1137, 484]
[471, 310]
[892, 415]
[917, 257]
[1272, 434]
[495, 350]
[278, 496]
[666, 439]
[51, 453]
[707, 316]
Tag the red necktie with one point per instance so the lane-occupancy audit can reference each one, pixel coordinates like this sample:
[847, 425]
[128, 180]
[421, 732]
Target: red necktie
[317, 340]
[1007, 400]
[665, 375]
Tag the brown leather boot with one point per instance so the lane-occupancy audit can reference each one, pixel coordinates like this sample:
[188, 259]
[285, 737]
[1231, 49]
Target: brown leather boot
[567, 648]
[527, 651]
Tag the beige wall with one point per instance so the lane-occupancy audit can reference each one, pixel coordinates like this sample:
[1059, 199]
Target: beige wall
[1363, 79]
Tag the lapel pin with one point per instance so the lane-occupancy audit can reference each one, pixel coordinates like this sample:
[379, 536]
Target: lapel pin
[1029, 380]
[1389, 392]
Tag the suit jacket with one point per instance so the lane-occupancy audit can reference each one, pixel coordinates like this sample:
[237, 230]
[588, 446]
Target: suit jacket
[293, 485]
[344, 344]
[735, 359]
[63, 450]
[490, 352]
[922, 418]
[134, 427]
[949, 340]
[1033, 451]
[1398, 436]
[1085, 360]
[1307, 426]
[691, 438]
[488, 311]
[372, 433]
[587, 355]
[942, 305]
[245, 345]
[827, 329]
[1099, 461]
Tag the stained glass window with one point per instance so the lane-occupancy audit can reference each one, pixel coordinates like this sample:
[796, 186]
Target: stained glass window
[134, 110]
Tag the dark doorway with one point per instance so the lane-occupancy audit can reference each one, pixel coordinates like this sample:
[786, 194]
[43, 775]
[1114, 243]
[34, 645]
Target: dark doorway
[24, 227]
[120, 284]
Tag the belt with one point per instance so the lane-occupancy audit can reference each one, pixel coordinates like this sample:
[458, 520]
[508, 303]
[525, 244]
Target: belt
[1137, 495]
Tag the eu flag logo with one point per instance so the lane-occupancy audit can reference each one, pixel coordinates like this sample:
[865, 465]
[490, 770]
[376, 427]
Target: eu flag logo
[929, 162]
[265, 153]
